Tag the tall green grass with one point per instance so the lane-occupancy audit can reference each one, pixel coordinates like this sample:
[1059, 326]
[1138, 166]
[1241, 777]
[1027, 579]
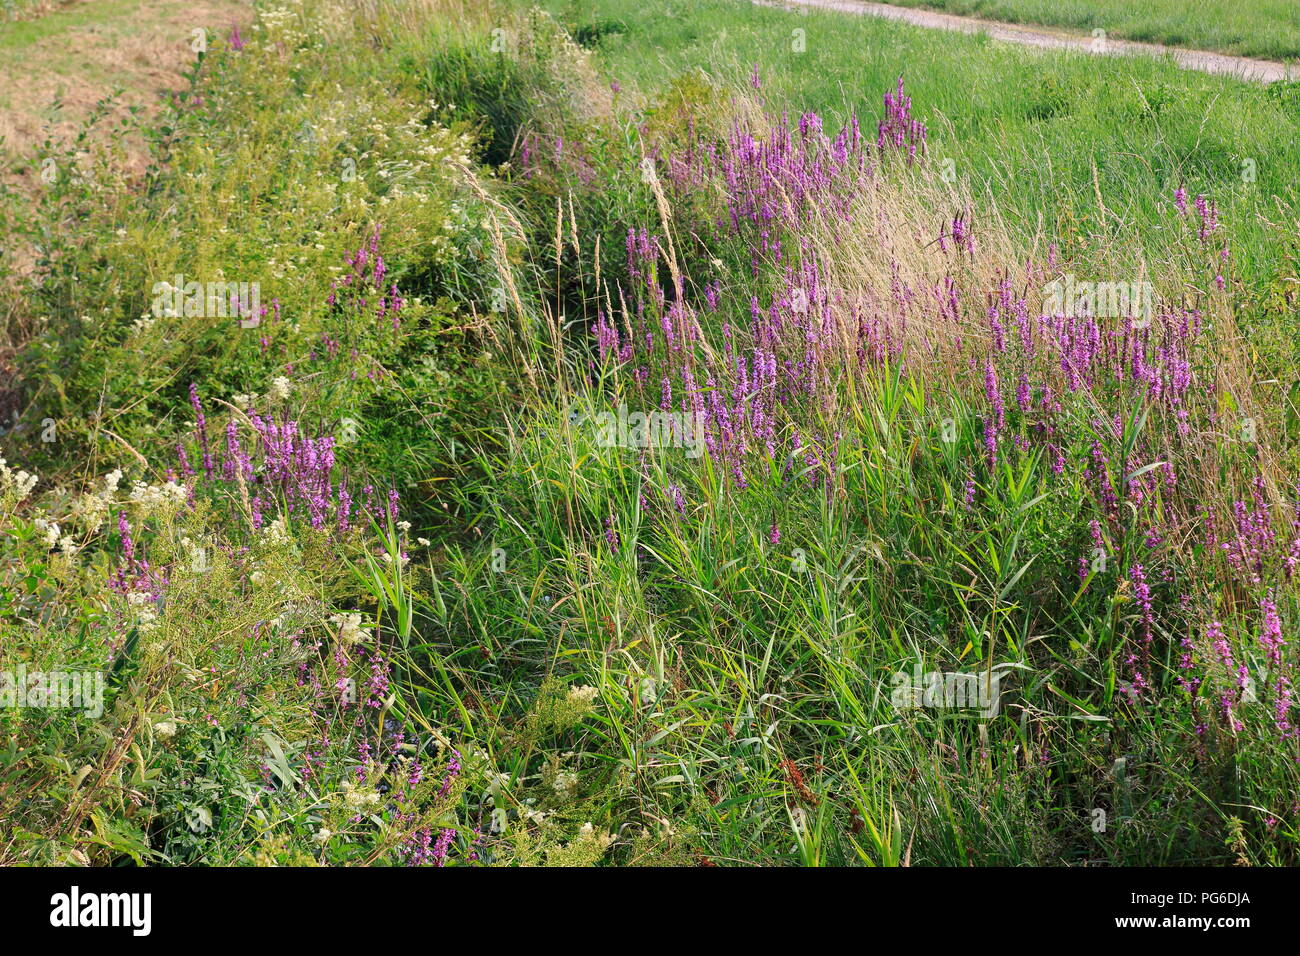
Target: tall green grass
[1076, 149]
[624, 681]
[1262, 28]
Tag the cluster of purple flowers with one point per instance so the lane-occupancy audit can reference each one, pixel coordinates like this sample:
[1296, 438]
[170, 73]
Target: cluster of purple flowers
[364, 288]
[1051, 377]
[898, 129]
[283, 463]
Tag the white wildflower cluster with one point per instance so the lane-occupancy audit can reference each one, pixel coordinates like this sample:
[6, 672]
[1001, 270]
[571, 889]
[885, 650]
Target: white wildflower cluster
[94, 506]
[20, 482]
[146, 322]
[280, 389]
[52, 537]
[49, 531]
[196, 552]
[441, 145]
[357, 798]
[163, 497]
[582, 695]
[587, 834]
[277, 532]
[529, 814]
[565, 784]
[146, 612]
[350, 629]
[165, 728]
[282, 25]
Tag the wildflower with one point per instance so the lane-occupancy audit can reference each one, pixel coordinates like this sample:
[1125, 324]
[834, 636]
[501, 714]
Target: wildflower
[277, 532]
[357, 798]
[991, 442]
[201, 428]
[1270, 637]
[280, 388]
[565, 783]
[587, 834]
[350, 629]
[1023, 397]
[993, 394]
[49, 531]
[1185, 664]
[1209, 216]
[21, 482]
[453, 771]
[442, 846]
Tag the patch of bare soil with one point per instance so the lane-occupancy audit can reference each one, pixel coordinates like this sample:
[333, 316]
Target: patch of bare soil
[81, 52]
[142, 48]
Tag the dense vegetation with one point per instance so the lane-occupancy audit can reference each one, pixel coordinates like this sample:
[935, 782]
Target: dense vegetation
[636, 415]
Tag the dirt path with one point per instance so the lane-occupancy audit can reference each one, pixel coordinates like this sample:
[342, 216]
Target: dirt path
[57, 62]
[77, 52]
[1263, 71]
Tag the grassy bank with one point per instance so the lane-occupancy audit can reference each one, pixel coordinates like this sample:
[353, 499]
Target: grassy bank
[644, 451]
[1072, 148]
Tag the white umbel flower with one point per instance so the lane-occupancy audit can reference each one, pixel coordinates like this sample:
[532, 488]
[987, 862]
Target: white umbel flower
[350, 629]
[280, 388]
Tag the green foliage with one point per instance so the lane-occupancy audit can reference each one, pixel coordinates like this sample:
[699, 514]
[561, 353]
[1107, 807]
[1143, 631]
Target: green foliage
[545, 658]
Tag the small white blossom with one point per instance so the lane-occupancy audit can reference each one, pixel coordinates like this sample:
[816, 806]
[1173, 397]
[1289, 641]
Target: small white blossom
[21, 481]
[276, 532]
[280, 388]
[350, 629]
[582, 695]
